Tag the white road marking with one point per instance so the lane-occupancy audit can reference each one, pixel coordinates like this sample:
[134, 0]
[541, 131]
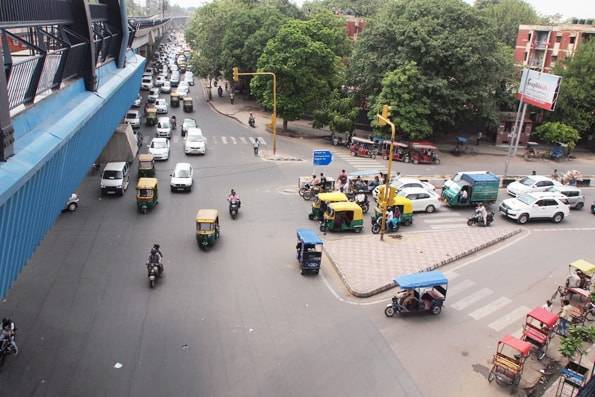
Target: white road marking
[443, 220]
[443, 213]
[518, 333]
[224, 140]
[449, 226]
[233, 140]
[565, 229]
[243, 140]
[251, 140]
[490, 308]
[261, 140]
[458, 288]
[509, 318]
[471, 299]
[451, 275]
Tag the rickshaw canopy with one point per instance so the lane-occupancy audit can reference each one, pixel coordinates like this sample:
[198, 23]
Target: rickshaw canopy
[361, 140]
[546, 317]
[584, 266]
[147, 183]
[187, 99]
[207, 216]
[421, 280]
[423, 145]
[147, 157]
[348, 206]
[333, 196]
[401, 201]
[521, 346]
[307, 236]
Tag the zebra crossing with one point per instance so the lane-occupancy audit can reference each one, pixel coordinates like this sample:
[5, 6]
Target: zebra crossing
[443, 219]
[227, 140]
[482, 304]
[360, 163]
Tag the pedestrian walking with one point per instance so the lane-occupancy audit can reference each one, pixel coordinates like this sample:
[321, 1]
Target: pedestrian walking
[479, 136]
[231, 97]
[565, 317]
[555, 175]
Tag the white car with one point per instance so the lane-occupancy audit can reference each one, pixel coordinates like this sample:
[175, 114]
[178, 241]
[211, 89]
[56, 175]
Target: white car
[182, 90]
[133, 118]
[153, 95]
[159, 81]
[173, 67]
[159, 148]
[181, 179]
[400, 183]
[536, 205]
[531, 183]
[136, 103]
[166, 88]
[195, 142]
[161, 106]
[188, 123]
[422, 199]
[146, 83]
[163, 127]
[189, 78]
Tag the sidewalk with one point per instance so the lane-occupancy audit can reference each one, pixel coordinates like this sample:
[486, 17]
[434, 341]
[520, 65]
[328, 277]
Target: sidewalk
[367, 265]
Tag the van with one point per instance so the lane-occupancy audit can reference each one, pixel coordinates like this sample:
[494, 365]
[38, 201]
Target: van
[189, 78]
[115, 178]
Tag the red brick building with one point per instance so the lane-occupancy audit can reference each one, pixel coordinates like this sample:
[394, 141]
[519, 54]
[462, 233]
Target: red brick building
[354, 26]
[541, 47]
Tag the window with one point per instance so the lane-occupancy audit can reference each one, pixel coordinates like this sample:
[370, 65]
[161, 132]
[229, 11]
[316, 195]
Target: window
[551, 203]
[423, 196]
[559, 38]
[544, 183]
[108, 174]
[541, 203]
[572, 40]
[412, 196]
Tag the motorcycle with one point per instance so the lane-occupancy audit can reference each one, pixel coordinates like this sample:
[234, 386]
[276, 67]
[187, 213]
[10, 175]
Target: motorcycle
[256, 150]
[154, 273]
[8, 346]
[477, 220]
[388, 228]
[234, 207]
[361, 199]
[308, 191]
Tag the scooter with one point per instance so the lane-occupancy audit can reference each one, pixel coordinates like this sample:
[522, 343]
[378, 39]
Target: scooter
[8, 346]
[477, 220]
[360, 199]
[234, 207]
[154, 273]
[252, 122]
[376, 226]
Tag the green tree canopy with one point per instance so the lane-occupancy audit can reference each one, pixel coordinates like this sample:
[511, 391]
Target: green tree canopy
[360, 8]
[454, 48]
[576, 100]
[554, 132]
[338, 112]
[506, 16]
[307, 68]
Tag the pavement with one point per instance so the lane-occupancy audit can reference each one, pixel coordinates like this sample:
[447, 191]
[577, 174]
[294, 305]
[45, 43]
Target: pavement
[367, 265]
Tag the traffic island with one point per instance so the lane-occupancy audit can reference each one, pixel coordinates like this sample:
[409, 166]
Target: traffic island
[367, 265]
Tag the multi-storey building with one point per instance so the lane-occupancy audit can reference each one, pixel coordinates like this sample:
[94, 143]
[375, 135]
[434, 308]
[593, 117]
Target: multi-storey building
[541, 47]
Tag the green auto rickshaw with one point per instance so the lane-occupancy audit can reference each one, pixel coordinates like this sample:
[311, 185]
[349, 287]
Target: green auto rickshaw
[403, 204]
[322, 200]
[151, 116]
[188, 106]
[207, 227]
[174, 100]
[146, 166]
[343, 216]
[146, 194]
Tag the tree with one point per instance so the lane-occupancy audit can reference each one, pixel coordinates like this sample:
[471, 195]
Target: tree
[576, 102]
[360, 8]
[301, 55]
[403, 89]
[453, 47]
[506, 16]
[554, 132]
[338, 112]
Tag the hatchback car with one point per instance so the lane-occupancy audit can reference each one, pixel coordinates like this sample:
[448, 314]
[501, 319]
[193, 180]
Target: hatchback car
[188, 123]
[163, 127]
[136, 103]
[159, 148]
[153, 95]
[161, 106]
[422, 199]
[181, 179]
[536, 205]
[404, 183]
[166, 88]
[133, 118]
[531, 183]
[182, 90]
[195, 142]
[571, 194]
[159, 81]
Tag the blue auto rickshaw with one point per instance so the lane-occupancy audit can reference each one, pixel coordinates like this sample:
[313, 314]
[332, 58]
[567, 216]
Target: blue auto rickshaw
[418, 292]
[309, 251]
[559, 151]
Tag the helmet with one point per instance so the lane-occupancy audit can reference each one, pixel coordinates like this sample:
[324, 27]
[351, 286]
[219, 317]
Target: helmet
[156, 246]
[153, 251]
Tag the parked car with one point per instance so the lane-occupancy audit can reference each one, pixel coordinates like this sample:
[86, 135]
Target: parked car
[163, 127]
[161, 106]
[72, 203]
[133, 118]
[572, 194]
[195, 142]
[181, 179]
[188, 123]
[159, 148]
[166, 88]
[536, 205]
[115, 178]
[531, 183]
[404, 183]
[153, 95]
[422, 199]
[137, 101]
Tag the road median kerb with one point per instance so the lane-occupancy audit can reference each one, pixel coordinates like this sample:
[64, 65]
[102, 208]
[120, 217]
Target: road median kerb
[349, 277]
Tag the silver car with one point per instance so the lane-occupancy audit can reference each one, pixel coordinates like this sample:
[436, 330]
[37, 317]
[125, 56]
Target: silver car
[571, 194]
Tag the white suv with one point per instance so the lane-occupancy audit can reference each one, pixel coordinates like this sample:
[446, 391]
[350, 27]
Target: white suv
[538, 205]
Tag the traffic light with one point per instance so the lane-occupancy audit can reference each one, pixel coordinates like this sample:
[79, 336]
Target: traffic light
[236, 76]
[385, 115]
[392, 191]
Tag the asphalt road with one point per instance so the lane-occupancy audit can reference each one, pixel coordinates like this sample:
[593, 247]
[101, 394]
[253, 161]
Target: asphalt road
[238, 320]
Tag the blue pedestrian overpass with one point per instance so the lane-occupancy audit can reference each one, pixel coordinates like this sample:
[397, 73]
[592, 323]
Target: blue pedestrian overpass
[71, 73]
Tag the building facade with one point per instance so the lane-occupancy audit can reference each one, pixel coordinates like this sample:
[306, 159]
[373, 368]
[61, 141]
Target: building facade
[541, 47]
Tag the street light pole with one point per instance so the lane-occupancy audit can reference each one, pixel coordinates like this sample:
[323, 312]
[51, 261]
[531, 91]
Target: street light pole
[383, 119]
[236, 77]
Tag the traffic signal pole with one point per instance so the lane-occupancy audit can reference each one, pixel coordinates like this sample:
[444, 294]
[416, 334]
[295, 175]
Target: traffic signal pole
[383, 120]
[236, 77]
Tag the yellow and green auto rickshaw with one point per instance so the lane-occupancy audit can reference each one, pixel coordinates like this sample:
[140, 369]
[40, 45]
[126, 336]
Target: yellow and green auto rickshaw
[146, 194]
[174, 100]
[188, 106]
[343, 216]
[322, 200]
[146, 166]
[151, 115]
[405, 209]
[207, 228]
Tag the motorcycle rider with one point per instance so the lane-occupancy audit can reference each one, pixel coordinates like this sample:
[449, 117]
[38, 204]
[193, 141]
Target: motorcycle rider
[155, 258]
[481, 213]
[342, 178]
[7, 335]
[255, 145]
[234, 197]
[173, 122]
[359, 184]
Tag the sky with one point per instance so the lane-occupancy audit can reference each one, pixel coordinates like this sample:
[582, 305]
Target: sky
[568, 8]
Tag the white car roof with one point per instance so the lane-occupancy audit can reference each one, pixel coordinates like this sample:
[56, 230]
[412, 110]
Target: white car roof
[194, 131]
[538, 178]
[159, 140]
[116, 166]
[162, 119]
[183, 166]
[411, 190]
[540, 195]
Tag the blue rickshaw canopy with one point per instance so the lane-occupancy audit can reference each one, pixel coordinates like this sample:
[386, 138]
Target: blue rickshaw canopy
[308, 236]
[421, 280]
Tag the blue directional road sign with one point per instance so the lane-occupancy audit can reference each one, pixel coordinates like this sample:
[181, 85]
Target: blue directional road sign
[322, 157]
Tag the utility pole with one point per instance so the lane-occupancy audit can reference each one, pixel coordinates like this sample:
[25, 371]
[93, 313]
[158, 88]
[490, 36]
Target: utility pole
[6, 129]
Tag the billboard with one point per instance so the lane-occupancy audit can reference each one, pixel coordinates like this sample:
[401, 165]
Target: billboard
[539, 89]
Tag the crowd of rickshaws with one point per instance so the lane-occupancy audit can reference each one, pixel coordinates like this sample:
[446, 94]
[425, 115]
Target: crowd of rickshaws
[419, 152]
[147, 196]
